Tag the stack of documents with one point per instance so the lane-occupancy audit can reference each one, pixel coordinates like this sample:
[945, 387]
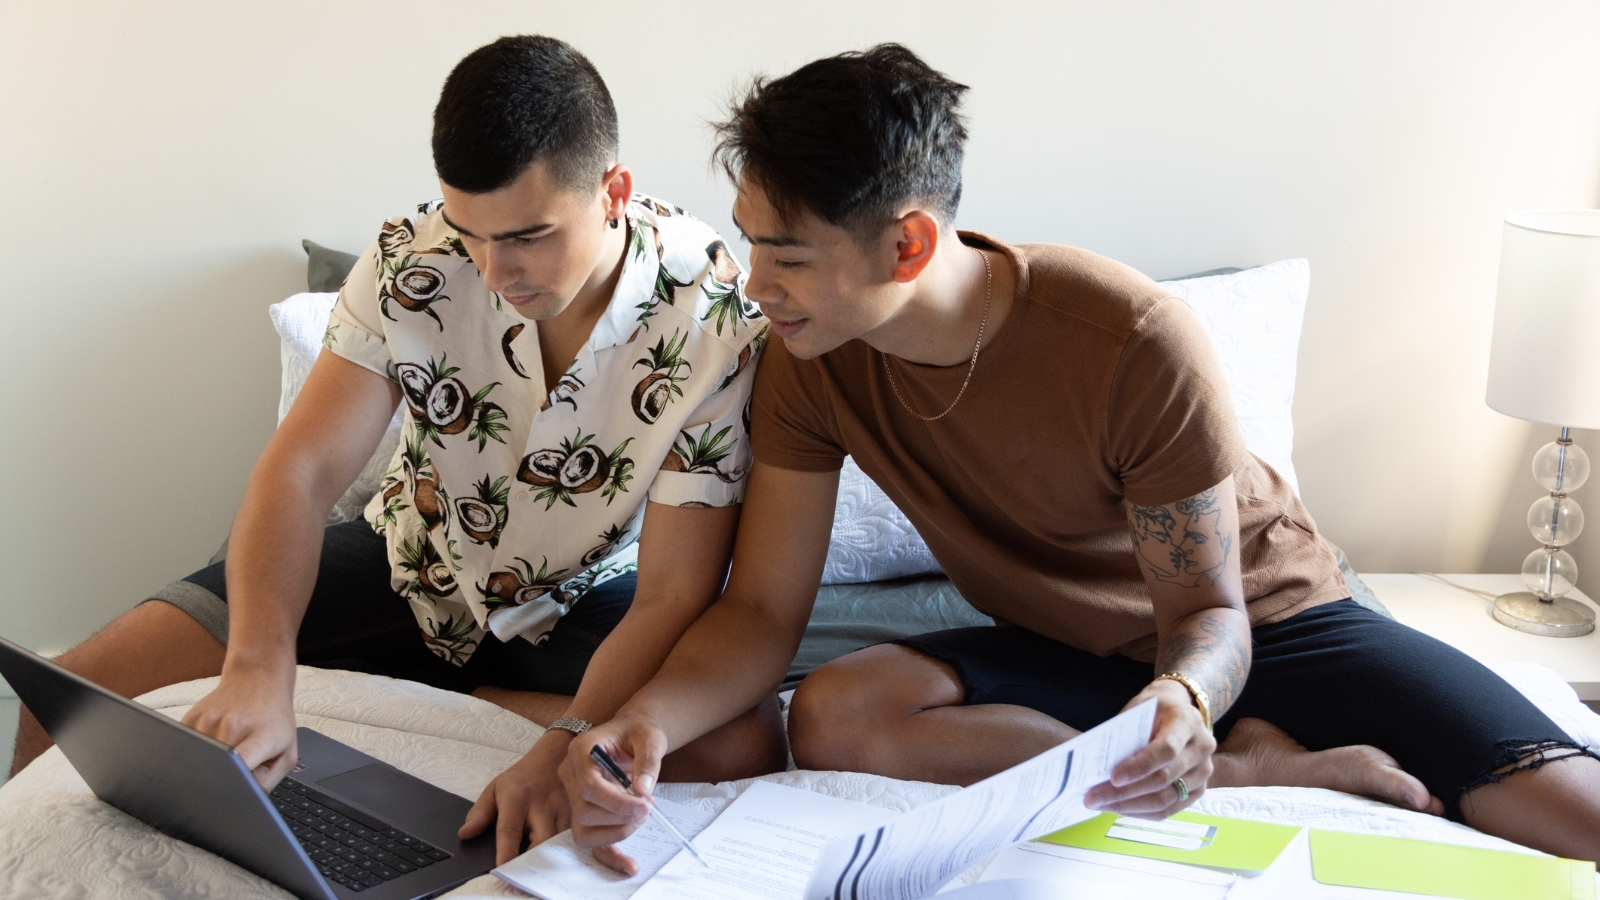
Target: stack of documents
[782, 843]
[777, 842]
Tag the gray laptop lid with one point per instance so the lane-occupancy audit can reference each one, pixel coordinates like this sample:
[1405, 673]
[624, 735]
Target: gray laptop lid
[173, 778]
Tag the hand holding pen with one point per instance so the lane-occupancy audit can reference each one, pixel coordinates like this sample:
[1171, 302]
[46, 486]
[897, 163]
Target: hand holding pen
[610, 767]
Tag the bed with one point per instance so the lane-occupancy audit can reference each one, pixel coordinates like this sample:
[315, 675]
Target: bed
[58, 840]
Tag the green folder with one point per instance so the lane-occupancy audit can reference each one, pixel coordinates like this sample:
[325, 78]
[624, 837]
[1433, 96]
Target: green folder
[1445, 870]
[1238, 845]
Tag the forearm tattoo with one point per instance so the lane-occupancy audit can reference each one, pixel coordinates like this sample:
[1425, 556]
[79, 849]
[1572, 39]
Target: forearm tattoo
[1213, 647]
[1183, 544]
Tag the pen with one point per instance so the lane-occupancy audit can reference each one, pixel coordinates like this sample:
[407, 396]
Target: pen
[607, 763]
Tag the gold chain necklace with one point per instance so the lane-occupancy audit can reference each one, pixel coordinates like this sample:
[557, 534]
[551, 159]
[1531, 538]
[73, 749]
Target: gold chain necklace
[988, 295]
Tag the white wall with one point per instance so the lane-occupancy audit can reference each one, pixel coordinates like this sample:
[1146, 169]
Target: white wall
[161, 161]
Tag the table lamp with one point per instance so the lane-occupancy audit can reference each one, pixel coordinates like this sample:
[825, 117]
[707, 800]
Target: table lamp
[1544, 366]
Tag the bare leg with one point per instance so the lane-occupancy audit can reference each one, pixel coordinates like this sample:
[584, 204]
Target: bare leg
[893, 711]
[750, 745]
[1554, 808]
[747, 747]
[153, 645]
[890, 710]
[541, 709]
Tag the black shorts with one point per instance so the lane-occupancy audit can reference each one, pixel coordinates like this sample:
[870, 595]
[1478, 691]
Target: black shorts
[356, 621]
[1331, 676]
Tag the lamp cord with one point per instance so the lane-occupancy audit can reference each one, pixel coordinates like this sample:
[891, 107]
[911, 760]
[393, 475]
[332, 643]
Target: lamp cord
[1459, 587]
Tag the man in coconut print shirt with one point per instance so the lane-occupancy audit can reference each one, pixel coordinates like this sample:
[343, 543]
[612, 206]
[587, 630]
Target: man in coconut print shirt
[618, 411]
[574, 363]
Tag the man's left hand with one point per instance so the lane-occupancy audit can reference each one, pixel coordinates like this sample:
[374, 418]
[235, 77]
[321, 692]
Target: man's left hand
[1145, 784]
[525, 800]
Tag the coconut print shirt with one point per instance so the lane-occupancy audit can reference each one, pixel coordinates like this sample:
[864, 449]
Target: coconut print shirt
[508, 499]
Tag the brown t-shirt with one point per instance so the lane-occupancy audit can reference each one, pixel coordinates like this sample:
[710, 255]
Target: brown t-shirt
[1100, 388]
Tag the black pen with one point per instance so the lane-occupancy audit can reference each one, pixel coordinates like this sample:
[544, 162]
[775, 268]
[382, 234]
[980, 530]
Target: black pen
[610, 766]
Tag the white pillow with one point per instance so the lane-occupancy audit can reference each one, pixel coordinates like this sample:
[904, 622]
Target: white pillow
[1254, 318]
[301, 321]
[872, 539]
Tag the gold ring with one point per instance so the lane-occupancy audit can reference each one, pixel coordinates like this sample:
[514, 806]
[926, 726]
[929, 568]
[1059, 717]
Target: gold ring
[1183, 790]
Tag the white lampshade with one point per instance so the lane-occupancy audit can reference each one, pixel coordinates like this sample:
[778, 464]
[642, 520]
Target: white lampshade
[1544, 361]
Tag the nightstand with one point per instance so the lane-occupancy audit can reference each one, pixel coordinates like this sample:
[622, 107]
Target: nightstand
[1464, 621]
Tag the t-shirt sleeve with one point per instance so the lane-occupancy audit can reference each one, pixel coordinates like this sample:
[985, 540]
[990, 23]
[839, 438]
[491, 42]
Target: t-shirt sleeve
[709, 463]
[1170, 426]
[355, 328]
[791, 424]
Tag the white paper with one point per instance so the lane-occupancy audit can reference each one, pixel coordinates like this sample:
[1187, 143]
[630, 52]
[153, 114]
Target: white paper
[911, 856]
[1085, 873]
[1290, 876]
[1155, 838]
[558, 870]
[763, 846]
[1008, 889]
[1170, 826]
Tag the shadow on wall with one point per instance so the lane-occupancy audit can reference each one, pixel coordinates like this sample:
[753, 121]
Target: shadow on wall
[1512, 541]
[160, 407]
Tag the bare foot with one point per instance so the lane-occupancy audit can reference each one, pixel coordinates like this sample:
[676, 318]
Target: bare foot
[1258, 753]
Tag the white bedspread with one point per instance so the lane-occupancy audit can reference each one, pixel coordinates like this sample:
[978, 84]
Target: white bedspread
[58, 841]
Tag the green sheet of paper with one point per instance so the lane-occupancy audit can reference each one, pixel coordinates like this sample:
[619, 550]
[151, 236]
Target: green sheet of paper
[1445, 870]
[1239, 845]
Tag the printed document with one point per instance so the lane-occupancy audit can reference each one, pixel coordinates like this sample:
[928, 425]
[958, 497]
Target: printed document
[1090, 873]
[911, 856]
[783, 843]
[763, 847]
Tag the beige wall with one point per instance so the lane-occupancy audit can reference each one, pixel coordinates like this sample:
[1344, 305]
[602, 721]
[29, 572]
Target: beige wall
[161, 161]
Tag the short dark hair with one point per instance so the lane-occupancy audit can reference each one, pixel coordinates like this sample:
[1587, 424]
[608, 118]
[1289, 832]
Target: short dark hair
[852, 138]
[517, 100]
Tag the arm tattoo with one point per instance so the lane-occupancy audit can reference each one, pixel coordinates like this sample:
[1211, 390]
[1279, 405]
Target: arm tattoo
[1172, 540]
[1213, 647]
[1184, 544]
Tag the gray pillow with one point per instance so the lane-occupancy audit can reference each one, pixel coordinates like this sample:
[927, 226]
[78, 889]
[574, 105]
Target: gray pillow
[848, 617]
[326, 269]
[1359, 592]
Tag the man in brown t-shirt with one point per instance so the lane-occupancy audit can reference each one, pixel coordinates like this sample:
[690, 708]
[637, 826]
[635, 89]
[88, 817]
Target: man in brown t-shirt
[1059, 430]
[1022, 488]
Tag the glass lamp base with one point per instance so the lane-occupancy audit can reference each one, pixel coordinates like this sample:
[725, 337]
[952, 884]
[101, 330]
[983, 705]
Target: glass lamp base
[1561, 617]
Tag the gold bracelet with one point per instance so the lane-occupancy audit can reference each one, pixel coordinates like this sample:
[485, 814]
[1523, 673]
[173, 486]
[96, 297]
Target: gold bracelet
[1202, 701]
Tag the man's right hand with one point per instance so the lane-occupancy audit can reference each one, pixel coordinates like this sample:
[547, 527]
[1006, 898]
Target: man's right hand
[604, 813]
[253, 712]
[274, 551]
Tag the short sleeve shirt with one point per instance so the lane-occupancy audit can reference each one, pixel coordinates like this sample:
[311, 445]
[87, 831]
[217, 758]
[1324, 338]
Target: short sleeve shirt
[1100, 389]
[509, 499]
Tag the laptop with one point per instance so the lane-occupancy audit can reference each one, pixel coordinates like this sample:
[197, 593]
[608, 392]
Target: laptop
[342, 824]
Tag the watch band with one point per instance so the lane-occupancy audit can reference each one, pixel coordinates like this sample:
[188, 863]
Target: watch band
[566, 723]
[1202, 700]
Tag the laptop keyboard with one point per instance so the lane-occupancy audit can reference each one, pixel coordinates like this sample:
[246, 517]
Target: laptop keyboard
[348, 846]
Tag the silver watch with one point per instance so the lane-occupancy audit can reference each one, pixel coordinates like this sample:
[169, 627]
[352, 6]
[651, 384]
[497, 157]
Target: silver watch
[567, 723]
